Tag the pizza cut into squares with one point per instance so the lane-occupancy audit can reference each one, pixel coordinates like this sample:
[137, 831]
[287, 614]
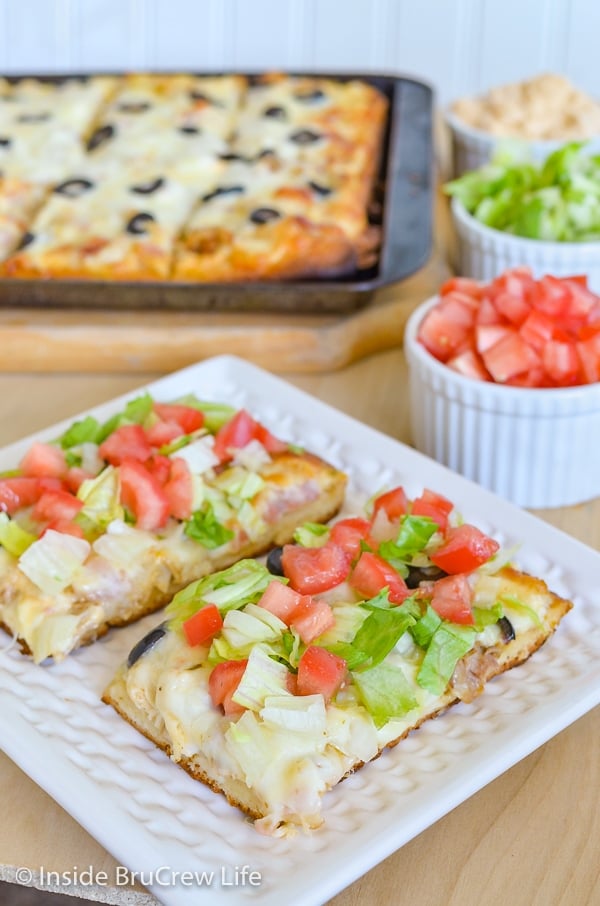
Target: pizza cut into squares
[44, 124]
[166, 119]
[271, 684]
[104, 524]
[337, 125]
[122, 226]
[265, 220]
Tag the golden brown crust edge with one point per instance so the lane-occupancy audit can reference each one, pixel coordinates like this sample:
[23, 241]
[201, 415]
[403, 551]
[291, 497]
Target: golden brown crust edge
[503, 657]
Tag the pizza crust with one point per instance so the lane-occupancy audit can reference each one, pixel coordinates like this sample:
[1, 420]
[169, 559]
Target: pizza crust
[471, 675]
[298, 488]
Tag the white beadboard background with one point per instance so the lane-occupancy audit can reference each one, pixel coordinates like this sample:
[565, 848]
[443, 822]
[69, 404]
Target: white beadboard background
[460, 46]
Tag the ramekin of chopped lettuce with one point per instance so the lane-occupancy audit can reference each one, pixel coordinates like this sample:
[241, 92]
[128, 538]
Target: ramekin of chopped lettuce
[547, 215]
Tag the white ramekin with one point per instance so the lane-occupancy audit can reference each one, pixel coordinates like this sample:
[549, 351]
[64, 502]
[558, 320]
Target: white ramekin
[485, 253]
[472, 148]
[536, 447]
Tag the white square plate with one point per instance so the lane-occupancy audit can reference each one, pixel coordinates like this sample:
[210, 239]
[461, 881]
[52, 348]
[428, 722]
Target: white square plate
[150, 815]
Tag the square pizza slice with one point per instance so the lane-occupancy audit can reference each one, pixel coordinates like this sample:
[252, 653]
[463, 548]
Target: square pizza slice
[44, 124]
[335, 125]
[167, 119]
[104, 524]
[119, 225]
[271, 684]
[267, 220]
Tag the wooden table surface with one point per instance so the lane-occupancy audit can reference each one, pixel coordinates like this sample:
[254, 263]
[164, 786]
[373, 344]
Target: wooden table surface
[530, 838]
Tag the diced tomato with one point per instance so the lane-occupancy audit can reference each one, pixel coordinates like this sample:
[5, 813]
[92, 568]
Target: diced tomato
[433, 505]
[514, 307]
[372, 573]
[44, 461]
[320, 672]
[535, 377]
[394, 503]
[179, 489]
[163, 432]
[446, 327]
[517, 282]
[239, 431]
[127, 442]
[18, 492]
[464, 549]
[509, 357]
[315, 569]
[159, 466]
[465, 285]
[581, 302]
[350, 533]
[579, 279]
[488, 314]
[588, 331]
[66, 526]
[537, 329]
[470, 364]
[487, 335]
[311, 618]
[452, 598]
[588, 350]
[143, 494]
[223, 682]
[280, 600]
[54, 505]
[188, 418]
[203, 625]
[561, 362]
[550, 296]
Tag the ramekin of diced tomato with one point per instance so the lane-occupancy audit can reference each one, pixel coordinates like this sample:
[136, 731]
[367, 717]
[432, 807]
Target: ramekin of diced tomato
[505, 384]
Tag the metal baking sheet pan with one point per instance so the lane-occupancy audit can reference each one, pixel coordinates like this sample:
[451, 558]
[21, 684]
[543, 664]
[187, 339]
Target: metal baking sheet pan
[402, 205]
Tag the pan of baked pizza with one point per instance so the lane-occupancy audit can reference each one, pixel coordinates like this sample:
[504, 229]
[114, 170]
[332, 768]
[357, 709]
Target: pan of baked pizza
[184, 191]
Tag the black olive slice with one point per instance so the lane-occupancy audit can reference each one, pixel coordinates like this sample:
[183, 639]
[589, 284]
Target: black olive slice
[190, 130]
[5, 142]
[276, 113]
[307, 96]
[319, 189]
[266, 152]
[201, 96]
[147, 188]
[34, 117]
[100, 136]
[274, 564]
[304, 137]
[138, 223]
[26, 240]
[224, 190]
[507, 629]
[145, 644]
[230, 156]
[73, 188]
[264, 215]
[134, 106]
[418, 574]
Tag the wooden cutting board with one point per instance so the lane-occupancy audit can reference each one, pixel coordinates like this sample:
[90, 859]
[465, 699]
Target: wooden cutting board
[45, 340]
